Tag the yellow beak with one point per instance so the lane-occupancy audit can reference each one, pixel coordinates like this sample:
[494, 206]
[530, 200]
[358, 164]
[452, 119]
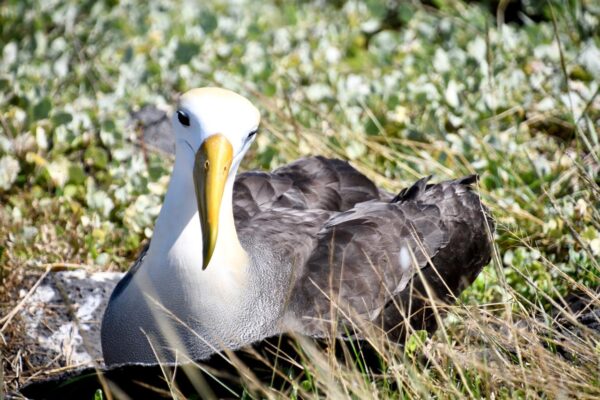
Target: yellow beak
[211, 168]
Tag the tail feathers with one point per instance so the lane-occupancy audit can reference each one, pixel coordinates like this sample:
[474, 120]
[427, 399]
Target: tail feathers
[468, 180]
[414, 192]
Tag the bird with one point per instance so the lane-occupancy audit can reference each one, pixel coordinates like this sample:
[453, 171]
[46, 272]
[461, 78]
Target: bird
[310, 248]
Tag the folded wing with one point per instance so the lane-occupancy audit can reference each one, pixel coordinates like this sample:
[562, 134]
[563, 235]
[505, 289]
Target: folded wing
[360, 262]
[314, 183]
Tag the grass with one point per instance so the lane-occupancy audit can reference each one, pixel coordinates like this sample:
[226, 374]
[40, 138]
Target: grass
[448, 93]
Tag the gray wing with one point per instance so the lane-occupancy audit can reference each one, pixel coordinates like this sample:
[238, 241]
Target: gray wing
[314, 183]
[363, 259]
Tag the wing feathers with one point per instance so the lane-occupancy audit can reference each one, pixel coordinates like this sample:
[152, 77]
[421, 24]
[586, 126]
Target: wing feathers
[360, 259]
[364, 258]
[309, 183]
[358, 247]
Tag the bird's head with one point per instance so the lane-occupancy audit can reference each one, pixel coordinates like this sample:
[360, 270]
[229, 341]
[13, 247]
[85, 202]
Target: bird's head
[218, 125]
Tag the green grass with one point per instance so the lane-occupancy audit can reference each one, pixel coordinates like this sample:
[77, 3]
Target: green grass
[449, 93]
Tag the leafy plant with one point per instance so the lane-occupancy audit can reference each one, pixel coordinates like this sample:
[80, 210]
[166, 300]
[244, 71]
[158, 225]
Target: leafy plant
[448, 93]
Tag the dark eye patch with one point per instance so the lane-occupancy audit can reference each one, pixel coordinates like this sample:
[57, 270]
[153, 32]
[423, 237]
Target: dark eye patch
[254, 132]
[183, 118]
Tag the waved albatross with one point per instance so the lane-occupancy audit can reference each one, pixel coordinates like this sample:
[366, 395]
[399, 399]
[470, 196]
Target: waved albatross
[313, 245]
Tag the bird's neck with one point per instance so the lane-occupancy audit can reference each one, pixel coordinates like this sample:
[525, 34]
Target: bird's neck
[177, 233]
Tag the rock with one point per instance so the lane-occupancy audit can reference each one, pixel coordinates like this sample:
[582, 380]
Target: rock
[62, 318]
[156, 128]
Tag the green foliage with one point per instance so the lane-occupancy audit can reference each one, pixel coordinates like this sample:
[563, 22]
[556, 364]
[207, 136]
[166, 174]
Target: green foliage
[415, 343]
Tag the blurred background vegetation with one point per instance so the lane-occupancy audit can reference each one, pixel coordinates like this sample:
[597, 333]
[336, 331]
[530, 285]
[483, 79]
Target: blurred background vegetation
[402, 89]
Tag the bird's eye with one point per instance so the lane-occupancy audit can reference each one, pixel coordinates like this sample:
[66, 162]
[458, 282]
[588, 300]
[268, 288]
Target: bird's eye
[183, 118]
[254, 132]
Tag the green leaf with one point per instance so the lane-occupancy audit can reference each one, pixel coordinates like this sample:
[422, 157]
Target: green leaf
[186, 51]
[98, 395]
[96, 157]
[371, 128]
[415, 342]
[128, 56]
[208, 22]
[269, 89]
[377, 8]
[76, 174]
[61, 118]
[405, 12]
[42, 109]
[70, 191]
[4, 84]
[579, 73]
